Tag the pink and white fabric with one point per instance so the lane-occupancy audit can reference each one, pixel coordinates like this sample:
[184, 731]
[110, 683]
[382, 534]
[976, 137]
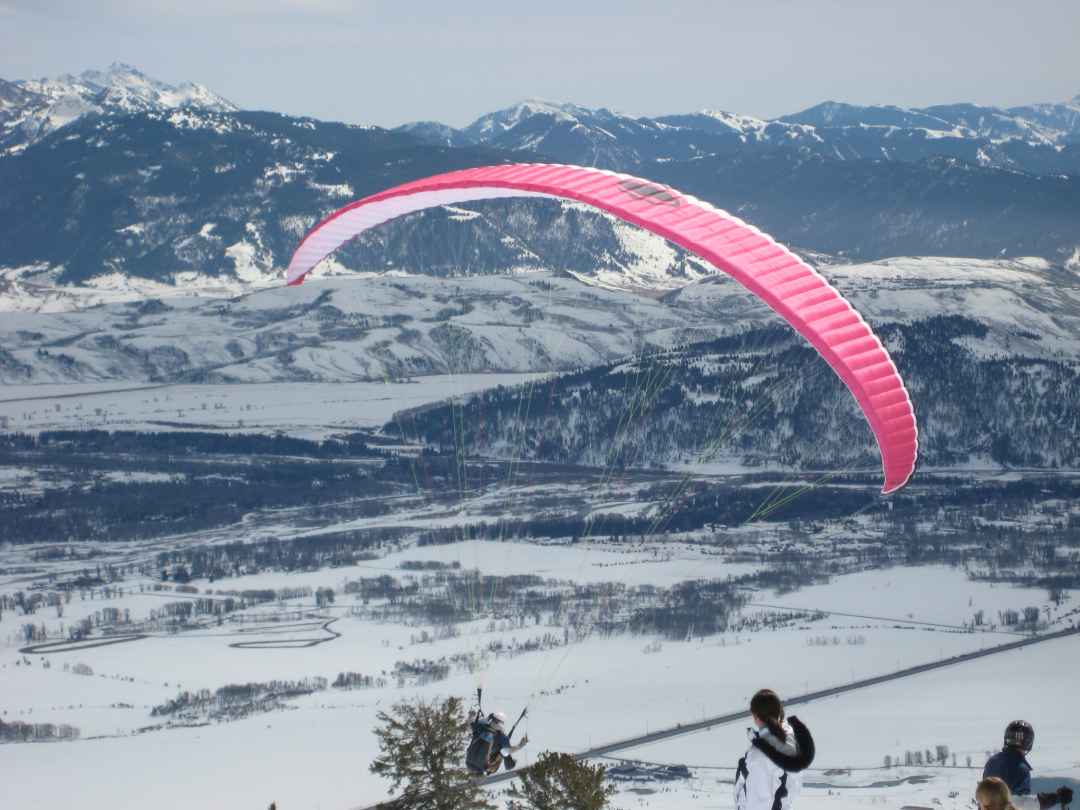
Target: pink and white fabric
[797, 292]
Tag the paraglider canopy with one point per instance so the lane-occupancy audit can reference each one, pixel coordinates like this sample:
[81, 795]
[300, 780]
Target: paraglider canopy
[793, 289]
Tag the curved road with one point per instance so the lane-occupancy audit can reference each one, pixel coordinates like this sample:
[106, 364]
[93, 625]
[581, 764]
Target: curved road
[721, 719]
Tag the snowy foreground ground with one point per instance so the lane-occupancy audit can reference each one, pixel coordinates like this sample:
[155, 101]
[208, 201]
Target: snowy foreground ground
[962, 707]
[316, 755]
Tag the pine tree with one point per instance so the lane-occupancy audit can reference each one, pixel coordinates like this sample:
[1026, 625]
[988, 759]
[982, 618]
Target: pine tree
[560, 782]
[422, 752]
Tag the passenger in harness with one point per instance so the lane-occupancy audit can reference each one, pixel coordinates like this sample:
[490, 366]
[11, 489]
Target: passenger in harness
[491, 745]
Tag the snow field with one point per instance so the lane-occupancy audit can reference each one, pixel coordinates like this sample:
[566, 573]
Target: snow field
[309, 410]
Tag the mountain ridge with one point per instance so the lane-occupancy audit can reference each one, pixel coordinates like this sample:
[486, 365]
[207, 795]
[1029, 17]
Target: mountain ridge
[173, 186]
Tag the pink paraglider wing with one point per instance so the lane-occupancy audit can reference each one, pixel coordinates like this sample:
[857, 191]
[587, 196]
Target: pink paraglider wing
[797, 292]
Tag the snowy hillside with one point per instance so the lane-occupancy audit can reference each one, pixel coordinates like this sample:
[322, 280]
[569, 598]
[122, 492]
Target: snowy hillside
[1030, 307]
[987, 349]
[348, 328]
[394, 325]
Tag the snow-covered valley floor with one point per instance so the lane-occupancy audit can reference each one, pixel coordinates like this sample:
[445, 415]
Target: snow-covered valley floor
[315, 753]
[310, 410]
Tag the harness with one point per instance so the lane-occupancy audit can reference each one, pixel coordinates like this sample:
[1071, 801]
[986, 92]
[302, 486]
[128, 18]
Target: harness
[483, 757]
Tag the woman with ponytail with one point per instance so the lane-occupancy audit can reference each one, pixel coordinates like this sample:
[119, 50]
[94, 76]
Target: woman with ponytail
[993, 793]
[768, 775]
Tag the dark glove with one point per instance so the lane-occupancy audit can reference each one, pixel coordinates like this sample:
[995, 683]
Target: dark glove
[1063, 796]
[510, 763]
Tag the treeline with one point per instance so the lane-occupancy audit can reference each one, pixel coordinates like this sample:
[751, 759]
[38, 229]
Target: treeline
[182, 443]
[443, 599]
[958, 507]
[236, 701]
[18, 732]
[421, 671]
[613, 526]
[357, 680]
[184, 482]
[331, 549]
[428, 565]
[689, 609]
[220, 496]
[1058, 582]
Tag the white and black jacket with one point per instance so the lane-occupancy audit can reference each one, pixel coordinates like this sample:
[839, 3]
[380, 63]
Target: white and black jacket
[768, 775]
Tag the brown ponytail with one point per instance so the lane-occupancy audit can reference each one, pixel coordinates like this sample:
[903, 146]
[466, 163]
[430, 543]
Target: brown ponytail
[766, 706]
[993, 792]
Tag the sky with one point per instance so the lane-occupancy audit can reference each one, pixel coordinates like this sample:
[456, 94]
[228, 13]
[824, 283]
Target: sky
[389, 62]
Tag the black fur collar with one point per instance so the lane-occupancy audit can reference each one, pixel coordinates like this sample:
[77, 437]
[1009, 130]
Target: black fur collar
[804, 744]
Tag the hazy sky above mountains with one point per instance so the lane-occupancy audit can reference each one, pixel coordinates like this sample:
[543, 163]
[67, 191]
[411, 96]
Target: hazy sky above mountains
[386, 63]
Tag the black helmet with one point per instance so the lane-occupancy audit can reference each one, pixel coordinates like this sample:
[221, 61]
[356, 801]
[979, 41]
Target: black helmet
[1020, 734]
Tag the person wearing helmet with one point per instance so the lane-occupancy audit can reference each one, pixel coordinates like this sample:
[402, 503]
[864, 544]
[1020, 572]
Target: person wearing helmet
[491, 745]
[1011, 766]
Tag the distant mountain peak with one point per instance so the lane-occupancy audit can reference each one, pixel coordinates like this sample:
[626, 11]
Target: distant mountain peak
[536, 104]
[509, 117]
[44, 105]
[736, 120]
[115, 70]
[435, 133]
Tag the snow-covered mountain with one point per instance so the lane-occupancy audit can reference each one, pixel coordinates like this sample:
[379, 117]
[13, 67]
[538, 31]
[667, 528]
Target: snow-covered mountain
[600, 137]
[206, 200]
[596, 137]
[214, 204]
[1041, 138]
[30, 109]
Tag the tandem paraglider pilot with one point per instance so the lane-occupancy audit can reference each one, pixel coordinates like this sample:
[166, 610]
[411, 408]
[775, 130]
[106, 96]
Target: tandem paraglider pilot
[491, 745]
